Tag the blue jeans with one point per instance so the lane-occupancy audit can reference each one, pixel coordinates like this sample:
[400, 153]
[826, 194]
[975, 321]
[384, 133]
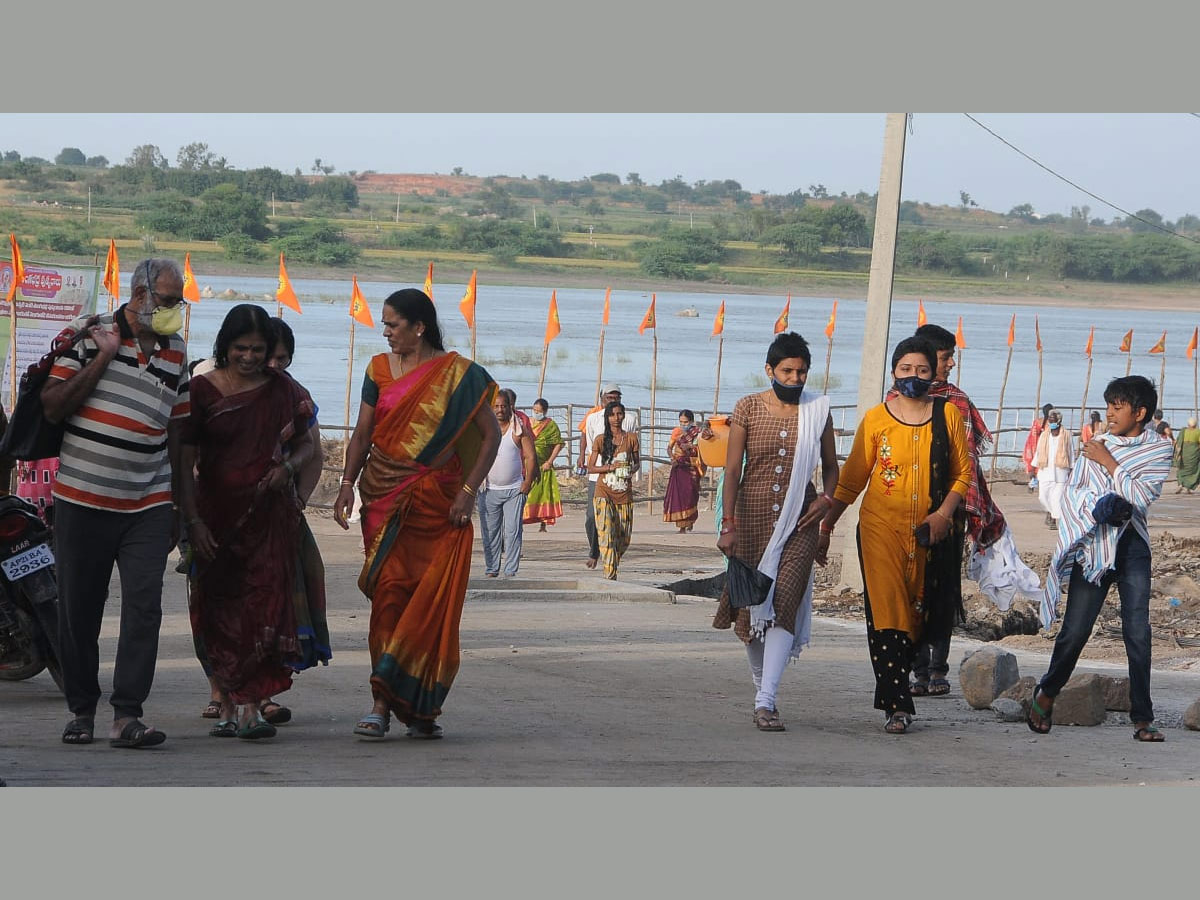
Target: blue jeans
[1084, 600]
[500, 521]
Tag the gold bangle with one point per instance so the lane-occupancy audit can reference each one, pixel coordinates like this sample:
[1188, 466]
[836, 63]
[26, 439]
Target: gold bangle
[470, 490]
[938, 512]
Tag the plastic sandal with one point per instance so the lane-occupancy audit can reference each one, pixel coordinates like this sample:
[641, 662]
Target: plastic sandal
[373, 725]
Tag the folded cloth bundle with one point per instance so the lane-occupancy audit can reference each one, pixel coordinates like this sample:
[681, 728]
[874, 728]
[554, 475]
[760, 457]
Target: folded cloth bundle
[1112, 509]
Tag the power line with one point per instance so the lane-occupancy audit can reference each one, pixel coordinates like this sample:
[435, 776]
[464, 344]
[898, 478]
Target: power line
[1080, 187]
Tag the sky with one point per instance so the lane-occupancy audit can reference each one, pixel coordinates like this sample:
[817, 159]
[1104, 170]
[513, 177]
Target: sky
[1133, 160]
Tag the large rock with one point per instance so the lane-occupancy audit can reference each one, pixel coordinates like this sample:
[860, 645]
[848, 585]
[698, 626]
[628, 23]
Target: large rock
[1008, 710]
[1080, 702]
[1116, 692]
[1022, 692]
[984, 674]
[1191, 716]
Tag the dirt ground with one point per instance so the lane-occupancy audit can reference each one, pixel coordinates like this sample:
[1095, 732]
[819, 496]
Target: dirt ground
[560, 688]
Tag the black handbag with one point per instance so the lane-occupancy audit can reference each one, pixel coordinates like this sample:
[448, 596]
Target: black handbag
[29, 435]
[747, 586]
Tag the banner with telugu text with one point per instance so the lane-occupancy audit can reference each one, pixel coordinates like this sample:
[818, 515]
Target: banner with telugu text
[49, 299]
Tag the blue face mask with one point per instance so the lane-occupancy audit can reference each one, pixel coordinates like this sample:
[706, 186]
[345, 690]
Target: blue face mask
[914, 386]
[787, 393]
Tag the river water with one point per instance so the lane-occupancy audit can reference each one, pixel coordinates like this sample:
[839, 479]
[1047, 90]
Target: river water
[511, 321]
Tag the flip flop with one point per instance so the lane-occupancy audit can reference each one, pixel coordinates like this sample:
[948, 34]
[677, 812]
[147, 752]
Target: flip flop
[939, 687]
[278, 714]
[224, 728]
[136, 735]
[425, 731]
[373, 725]
[1042, 714]
[256, 729]
[79, 730]
[212, 711]
[1148, 734]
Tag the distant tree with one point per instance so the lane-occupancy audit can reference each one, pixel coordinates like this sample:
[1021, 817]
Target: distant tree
[146, 156]
[656, 203]
[819, 191]
[224, 208]
[336, 194]
[195, 156]
[1097, 221]
[316, 167]
[70, 156]
[595, 208]
[844, 226]
[1023, 211]
[800, 242]
[328, 169]
[97, 162]
[633, 178]
[964, 199]
[1188, 223]
[37, 161]
[1151, 218]
[606, 178]
[457, 170]
[12, 156]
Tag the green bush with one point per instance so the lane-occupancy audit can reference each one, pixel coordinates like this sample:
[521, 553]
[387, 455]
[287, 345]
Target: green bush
[318, 242]
[241, 247]
[68, 238]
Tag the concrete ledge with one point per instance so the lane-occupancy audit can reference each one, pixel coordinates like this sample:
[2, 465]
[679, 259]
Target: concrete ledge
[595, 589]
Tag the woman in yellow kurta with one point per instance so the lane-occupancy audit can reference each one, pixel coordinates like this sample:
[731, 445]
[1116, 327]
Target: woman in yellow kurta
[910, 457]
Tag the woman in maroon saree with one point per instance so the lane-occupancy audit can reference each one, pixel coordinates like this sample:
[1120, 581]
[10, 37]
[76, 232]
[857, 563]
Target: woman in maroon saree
[247, 435]
[681, 503]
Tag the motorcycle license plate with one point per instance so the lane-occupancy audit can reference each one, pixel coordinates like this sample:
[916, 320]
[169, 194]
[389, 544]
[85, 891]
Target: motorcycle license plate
[28, 562]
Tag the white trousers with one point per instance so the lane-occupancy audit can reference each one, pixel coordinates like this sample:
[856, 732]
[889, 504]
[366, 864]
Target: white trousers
[768, 657]
[1050, 494]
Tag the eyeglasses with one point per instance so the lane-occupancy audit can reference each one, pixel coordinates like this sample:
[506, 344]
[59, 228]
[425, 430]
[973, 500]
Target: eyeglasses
[167, 301]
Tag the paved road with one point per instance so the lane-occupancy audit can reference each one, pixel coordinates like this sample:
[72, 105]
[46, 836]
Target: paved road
[581, 692]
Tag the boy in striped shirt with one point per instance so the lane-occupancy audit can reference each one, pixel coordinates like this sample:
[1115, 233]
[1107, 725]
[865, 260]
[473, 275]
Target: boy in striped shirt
[1102, 539]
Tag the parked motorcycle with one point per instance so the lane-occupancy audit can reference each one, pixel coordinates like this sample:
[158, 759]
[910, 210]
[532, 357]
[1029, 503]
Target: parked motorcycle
[28, 594]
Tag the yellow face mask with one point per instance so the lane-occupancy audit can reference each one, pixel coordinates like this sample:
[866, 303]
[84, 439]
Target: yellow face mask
[167, 320]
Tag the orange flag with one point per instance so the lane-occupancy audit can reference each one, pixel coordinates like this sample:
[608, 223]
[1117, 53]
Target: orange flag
[112, 271]
[607, 296]
[959, 341]
[285, 294]
[428, 282]
[359, 311]
[1126, 342]
[1088, 348]
[719, 321]
[648, 318]
[18, 267]
[1161, 346]
[1012, 333]
[832, 323]
[1191, 347]
[467, 304]
[920, 313]
[781, 324]
[553, 325]
[191, 291]
[1037, 332]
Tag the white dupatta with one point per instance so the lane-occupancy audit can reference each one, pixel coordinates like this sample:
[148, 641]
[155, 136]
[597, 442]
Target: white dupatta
[810, 423]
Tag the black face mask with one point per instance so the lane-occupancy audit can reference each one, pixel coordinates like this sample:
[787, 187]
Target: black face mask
[913, 386]
[787, 393]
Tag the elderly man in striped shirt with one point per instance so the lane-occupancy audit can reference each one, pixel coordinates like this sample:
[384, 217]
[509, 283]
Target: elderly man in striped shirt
[123, 393]
[1102, 539]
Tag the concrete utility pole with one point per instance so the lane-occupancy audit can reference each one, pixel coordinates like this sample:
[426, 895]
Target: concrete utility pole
[873, 373]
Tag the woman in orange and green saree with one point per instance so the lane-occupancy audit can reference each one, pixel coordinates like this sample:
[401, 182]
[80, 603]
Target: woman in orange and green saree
[544, 503]
[425, 438]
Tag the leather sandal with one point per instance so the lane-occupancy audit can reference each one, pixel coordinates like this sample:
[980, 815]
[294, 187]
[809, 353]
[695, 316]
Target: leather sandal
[768, 720]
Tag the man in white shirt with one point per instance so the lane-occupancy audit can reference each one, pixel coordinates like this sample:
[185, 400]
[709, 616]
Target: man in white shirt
[1054, 459]
[591, 428]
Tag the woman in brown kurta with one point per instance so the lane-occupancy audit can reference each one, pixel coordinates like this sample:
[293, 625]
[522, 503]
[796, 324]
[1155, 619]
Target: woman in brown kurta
[763, 446]
[910, 456]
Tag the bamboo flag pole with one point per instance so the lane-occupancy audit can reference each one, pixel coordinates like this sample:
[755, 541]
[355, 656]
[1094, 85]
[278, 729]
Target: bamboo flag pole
[1087, 381]
[187, 321]
[648, 321]
[1037, 332]
[960, 343]
[1012, 336]
[1161, 349]
[603, 325]
[719, 333]
[1191, 354]
[18, 273]
[349, 381]
[553, 330]
[830, 327]
[1127, 348]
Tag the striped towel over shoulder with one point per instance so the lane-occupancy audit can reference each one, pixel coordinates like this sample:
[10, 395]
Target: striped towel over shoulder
[1143, 464]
